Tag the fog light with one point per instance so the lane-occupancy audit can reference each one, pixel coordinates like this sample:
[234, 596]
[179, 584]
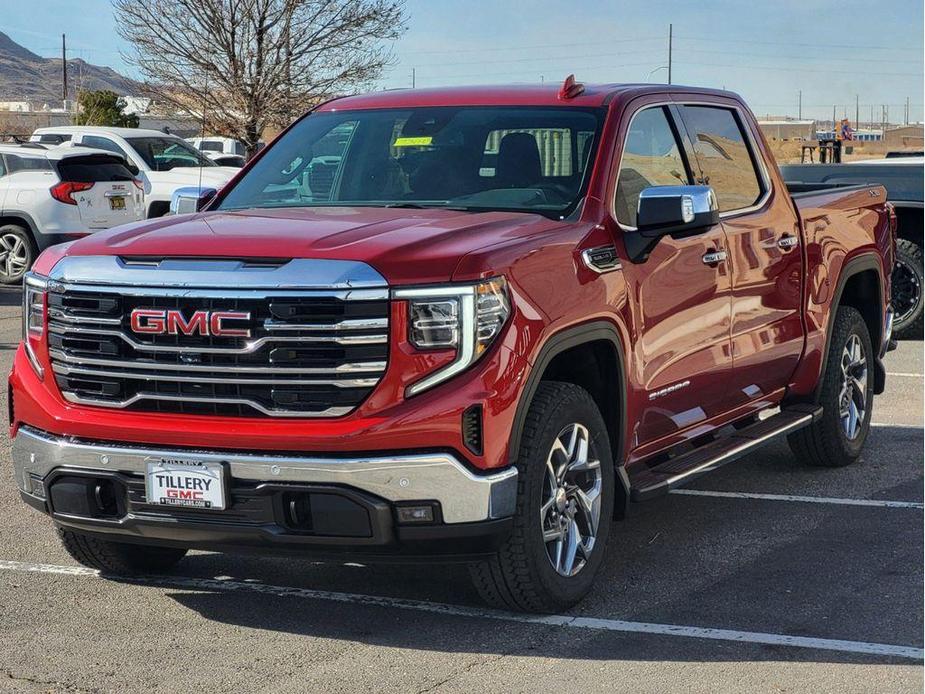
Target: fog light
[37, 486]
[415, 514]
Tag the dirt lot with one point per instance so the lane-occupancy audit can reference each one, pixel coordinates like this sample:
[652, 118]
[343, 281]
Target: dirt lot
[765, 577]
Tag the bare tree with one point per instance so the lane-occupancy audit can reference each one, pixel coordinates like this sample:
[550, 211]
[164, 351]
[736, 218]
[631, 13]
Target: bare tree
[244, 65]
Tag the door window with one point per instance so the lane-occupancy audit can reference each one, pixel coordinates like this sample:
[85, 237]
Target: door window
[651, 157]
[101, 143]
[722, 156]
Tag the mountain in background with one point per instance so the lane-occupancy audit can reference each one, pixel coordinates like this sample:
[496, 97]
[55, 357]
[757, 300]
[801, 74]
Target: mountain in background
[25, 76]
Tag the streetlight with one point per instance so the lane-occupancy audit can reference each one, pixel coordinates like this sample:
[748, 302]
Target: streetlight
[660, 67]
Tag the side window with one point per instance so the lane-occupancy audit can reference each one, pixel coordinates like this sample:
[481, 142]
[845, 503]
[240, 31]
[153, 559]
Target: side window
[2, 167]
[101, 143]
[723, 156]
[16, 163]
[238, 148]
[210, 146]
[651, 157]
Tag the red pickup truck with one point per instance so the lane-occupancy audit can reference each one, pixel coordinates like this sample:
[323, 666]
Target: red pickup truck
[455, 324]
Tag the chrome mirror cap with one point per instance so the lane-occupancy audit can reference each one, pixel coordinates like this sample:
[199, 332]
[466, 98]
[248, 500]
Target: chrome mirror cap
[190, 199]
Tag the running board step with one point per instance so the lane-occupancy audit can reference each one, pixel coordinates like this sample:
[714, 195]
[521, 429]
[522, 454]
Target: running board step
[656, 481]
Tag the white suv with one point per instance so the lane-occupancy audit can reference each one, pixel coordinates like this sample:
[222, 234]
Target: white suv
[55, 194]
[164, 162]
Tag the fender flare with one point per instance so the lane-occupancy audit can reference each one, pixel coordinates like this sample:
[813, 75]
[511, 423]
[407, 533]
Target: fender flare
[25, 217]
[556, 344]
[853, 266]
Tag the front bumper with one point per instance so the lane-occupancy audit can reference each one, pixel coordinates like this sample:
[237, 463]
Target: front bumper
[468, 505]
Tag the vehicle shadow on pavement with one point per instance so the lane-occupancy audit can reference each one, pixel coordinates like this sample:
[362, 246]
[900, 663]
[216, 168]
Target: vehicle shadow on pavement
[798, 569]
[10, 296]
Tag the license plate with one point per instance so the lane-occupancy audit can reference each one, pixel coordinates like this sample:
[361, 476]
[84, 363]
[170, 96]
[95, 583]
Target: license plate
[117, 203]
[185, 483]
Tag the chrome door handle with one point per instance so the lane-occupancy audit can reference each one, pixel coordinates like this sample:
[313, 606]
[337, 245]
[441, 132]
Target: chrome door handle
[787, 241]
[714, 257]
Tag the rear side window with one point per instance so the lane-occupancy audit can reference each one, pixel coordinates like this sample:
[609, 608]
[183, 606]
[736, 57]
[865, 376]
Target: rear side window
[723, 156]
[51, 139]
[101, 143]
[16, 163]
[210, 146]
[651, 157]
[92, 169]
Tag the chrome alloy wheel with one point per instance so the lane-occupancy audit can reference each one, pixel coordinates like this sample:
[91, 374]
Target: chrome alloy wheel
[14, 256]
[570, 512]
[852, 399]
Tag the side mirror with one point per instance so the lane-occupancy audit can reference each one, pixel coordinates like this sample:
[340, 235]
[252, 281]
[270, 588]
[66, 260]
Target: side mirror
[190, 199]
[665, 210]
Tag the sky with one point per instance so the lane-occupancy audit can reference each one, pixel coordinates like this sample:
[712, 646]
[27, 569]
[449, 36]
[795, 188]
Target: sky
[836, 52]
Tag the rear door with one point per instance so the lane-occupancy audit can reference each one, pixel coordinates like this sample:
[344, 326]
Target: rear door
[104, 189]
[765, 258]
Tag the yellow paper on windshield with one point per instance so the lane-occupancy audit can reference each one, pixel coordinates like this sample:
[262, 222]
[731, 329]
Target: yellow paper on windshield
[412, 141]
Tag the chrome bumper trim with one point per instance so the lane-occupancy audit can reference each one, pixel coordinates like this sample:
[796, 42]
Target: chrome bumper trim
[464, 496]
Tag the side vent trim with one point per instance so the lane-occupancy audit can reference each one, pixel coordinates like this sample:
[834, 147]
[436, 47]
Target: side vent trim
[601, 259]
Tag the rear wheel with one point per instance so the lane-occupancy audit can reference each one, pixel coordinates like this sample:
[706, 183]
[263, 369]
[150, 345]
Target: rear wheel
[118, 557]
[564, 507]
[907, 281]
[846, 395]
[16, 253]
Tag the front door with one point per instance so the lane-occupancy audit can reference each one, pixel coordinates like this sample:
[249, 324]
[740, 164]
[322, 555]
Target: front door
[681, 359]
[765, 260]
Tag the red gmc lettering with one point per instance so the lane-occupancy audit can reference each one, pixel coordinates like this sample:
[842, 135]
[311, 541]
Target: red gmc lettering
[146, 320]
[219, 330]
[196, 325]
[172, 322]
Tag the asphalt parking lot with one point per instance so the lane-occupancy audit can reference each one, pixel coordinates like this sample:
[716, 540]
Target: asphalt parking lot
[766, 576]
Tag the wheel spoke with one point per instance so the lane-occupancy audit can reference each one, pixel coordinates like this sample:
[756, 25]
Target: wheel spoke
[571, 548]
[589, 507]
[552, 534]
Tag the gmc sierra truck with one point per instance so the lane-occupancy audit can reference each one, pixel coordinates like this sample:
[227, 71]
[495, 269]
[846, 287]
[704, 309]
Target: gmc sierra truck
[466, 325]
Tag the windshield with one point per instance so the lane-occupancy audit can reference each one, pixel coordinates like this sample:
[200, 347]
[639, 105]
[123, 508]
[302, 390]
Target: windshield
[165, 153]
[529, 159]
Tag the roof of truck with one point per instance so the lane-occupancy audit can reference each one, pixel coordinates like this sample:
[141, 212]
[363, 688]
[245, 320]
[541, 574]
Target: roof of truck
[99, 129]
[547, 94]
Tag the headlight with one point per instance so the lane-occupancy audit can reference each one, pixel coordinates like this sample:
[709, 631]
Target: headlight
[467, 318]
[33, 317]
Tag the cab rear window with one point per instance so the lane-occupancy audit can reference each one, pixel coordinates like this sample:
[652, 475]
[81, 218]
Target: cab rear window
[92, 169]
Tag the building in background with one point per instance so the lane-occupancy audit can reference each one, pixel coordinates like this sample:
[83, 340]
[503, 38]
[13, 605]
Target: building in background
[788, 128]
[906, 136]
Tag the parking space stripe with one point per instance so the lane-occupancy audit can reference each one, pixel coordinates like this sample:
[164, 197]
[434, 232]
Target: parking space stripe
[595, 623]
[878, 503]
[904, 374]
[896, 426]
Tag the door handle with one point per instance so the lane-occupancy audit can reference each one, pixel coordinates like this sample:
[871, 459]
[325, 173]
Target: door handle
[787, 241]
[714, 257]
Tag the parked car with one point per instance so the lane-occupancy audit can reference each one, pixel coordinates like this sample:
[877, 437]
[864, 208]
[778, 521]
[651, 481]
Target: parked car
[235, 160]
[903, 179]
[52, 195]
[445, 351]
[222, 149]
[164, 162]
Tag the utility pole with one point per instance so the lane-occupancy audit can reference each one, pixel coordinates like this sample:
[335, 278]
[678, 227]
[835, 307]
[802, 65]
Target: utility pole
[670, 37]
[834, 127]
[908, 108]
[857, 111]
[64, 69]
[412, 78]
[800, 106]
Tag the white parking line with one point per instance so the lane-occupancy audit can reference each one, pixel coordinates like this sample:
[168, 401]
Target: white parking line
[904, 374]
[864, 647]
[896, 426]
[805, 499]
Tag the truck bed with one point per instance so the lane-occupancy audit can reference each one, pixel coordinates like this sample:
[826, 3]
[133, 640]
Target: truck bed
[902, 180]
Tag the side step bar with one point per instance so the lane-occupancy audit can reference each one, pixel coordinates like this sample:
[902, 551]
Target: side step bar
[656, 481]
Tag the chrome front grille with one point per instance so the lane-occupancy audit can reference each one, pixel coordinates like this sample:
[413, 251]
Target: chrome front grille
[310, 353]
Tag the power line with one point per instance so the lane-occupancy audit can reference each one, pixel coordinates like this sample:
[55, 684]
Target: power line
[534, 46]
[853, 47]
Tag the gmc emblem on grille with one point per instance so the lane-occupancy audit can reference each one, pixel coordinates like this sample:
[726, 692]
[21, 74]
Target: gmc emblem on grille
[159, 321]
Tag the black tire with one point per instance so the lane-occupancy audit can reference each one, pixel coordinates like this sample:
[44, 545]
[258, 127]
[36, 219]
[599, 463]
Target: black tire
[825, 443]
[908, 281]
[119, 558]
[17, 253]
[522, 576]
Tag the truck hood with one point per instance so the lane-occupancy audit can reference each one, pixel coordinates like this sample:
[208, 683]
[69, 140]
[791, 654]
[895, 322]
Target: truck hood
[405, 246]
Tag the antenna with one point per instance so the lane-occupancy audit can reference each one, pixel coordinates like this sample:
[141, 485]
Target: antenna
[202, 131]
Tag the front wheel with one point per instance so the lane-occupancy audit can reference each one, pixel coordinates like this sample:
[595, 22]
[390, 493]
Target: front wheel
[564, 507]
[846, 395]
[16, 253]
[120, 558]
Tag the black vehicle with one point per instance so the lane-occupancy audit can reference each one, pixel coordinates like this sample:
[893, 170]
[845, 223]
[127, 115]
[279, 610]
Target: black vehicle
[903, 178]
